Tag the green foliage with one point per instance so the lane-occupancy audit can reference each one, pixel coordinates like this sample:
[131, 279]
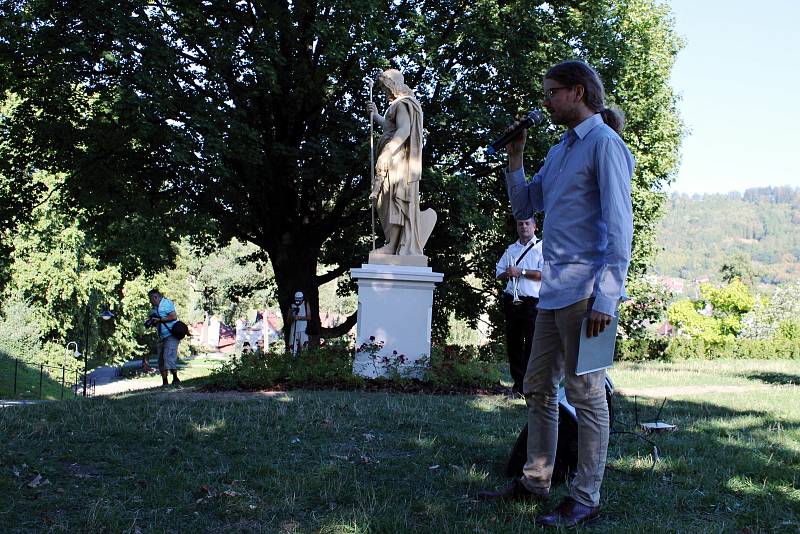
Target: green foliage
[229, 281]
[729, 348]
[789, 330]
[647, 305]
[768, 314]
[462, 366]
[642, 349]
[732, 299]
[740, 266]
[223, 120]
[721, 236]
[684, 316]
[727, 322]
[460, 333]
[19, 332]
[332, 366]
[18, 193]
[55, 268]
[722, 311]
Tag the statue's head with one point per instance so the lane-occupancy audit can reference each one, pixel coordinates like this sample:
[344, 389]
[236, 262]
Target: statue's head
[392, 80]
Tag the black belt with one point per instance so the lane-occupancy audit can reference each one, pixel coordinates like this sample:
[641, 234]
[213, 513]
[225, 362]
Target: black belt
[508, 296]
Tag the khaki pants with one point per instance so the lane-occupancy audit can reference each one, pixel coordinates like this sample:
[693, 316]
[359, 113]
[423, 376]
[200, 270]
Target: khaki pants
[554, 356]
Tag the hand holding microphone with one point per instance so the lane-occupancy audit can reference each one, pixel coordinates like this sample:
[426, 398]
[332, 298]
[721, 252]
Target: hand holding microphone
[534, 118]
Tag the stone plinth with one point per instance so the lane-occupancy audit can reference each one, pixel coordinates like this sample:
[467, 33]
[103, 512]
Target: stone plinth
[376, 258]
[395, 306]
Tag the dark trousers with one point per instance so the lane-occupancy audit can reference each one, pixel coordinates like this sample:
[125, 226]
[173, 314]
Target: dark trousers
[520, 323]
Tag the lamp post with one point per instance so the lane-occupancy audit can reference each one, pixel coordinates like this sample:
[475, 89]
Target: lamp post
[76, 353]
[105, 315]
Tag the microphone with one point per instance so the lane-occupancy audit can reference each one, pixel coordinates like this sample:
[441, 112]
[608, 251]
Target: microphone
[534, 118]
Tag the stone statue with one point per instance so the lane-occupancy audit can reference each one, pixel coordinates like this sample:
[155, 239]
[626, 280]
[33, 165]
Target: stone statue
[398, 170]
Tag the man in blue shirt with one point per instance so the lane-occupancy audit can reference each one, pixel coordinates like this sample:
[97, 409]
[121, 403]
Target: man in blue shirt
[165, 317]
[584, 188]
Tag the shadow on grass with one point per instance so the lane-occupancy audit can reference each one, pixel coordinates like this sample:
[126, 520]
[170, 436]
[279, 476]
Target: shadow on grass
[338, 461]
[722, 468]
[778, 379]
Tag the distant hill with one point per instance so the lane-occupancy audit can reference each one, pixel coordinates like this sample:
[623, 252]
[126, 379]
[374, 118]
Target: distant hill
[700, 233]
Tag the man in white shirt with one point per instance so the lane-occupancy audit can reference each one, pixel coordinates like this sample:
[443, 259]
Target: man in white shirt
[299, 315]
[521, 265]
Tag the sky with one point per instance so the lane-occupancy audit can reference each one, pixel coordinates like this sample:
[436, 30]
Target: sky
[738, 76]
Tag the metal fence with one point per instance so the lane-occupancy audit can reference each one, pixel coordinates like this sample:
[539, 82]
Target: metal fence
[69, 378]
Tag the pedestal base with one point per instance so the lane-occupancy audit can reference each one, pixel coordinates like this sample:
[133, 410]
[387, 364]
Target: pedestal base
[395, 306]
[376, 258]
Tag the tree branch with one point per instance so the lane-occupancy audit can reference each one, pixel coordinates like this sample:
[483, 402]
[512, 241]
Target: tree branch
[340, 330]
[332, 275]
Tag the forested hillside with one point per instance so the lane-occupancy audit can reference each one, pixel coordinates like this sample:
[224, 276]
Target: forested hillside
[757, 231]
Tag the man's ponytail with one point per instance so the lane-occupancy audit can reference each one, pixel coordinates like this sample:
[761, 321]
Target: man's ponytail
[614, 118]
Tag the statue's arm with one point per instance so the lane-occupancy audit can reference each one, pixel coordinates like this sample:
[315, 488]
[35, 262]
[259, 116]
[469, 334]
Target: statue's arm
[372, 111]
[395, 144]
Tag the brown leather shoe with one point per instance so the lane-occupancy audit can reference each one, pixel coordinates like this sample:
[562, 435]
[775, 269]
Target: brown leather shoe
[513, 492]
[569, 513]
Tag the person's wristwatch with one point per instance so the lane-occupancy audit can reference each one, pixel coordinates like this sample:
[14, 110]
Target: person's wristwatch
[523, 273]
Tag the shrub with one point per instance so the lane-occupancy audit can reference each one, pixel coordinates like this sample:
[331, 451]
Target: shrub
[647, 305]
[640, 349]
[461, 367]
[332, 366]
[757, 349]
[19, 332]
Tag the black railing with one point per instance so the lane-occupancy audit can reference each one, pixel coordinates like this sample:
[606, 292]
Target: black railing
[70, 378]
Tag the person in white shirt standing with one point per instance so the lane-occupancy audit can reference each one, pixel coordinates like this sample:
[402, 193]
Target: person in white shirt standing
[521, 265]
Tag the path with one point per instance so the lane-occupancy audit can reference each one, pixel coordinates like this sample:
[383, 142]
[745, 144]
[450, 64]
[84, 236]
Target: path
[7, 403]
[110, 382]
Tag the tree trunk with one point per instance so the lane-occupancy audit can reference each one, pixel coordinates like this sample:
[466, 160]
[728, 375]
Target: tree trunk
[294, 273]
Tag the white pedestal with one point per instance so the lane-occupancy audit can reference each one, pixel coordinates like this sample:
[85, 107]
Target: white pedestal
[395, 305]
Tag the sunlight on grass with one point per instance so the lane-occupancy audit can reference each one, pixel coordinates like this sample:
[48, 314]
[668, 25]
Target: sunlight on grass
[743, 485]
[423, 442]
[209, 427]
[469, 475]
[491, 404]
[349, 461]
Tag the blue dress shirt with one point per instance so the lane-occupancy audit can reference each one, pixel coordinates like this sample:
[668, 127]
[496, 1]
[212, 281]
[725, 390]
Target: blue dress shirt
[584, 188]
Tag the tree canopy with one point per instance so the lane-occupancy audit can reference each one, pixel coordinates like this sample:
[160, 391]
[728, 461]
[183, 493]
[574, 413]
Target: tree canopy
[247, 119]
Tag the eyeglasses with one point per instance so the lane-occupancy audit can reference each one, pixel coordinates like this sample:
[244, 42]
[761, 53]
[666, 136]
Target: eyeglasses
[550, 93]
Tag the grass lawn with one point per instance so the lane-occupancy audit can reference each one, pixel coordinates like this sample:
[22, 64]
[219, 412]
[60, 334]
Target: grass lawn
[328, 461]
[193, 367]
[28, 381]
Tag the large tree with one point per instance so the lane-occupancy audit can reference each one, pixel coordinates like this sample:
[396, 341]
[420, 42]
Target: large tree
[247, 119]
